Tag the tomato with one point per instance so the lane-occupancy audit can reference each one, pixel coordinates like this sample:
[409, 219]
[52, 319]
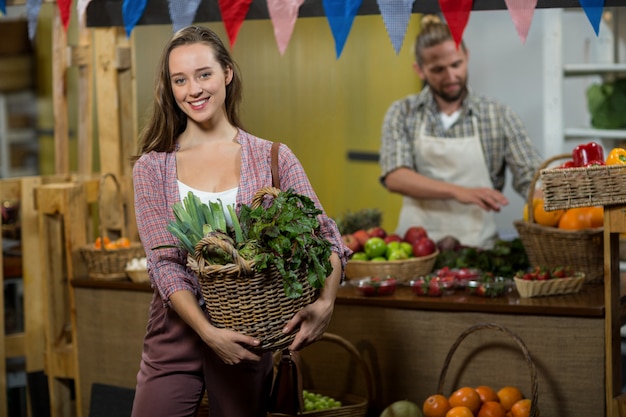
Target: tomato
[375, 247]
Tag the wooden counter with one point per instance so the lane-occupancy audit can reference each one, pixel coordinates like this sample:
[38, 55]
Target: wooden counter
[403, 338]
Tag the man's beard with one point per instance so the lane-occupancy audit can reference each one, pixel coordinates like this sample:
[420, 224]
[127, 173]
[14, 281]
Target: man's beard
[448, 98]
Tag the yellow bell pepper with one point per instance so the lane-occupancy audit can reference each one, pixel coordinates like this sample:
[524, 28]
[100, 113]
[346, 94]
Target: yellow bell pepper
[617, 156]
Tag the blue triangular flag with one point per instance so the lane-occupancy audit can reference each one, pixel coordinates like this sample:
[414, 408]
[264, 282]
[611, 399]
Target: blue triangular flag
[340, 15]
[32, 14]
[396, 15]
[182, 13]
[132, 10]
[3, 7]
[593, 9]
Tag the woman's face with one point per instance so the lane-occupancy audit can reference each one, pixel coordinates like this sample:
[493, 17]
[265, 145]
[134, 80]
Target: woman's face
[444, 68]
[198, 82]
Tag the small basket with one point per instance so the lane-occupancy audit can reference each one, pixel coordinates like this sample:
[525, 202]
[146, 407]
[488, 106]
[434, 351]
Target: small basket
[552, 247]
[554, 286]
[244, 300]
[138, 275]
[109, 264]
[402, 270]
[534, 385]
[352, 405]
[598, 185]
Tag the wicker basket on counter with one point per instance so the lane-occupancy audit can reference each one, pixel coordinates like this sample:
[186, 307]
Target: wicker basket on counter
[554, 286]
[551, 247]
[403, 270]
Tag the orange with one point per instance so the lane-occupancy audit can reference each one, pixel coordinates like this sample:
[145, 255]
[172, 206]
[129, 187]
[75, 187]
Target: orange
[535, 202]
[467, 397]
[99, 241]
[575, 219]
[123, 242]
[521, 408]
[597, 216]
[491, 409]
[508, 396]
[486, 393]
[546, 218]
[460, 411]
[436, 405]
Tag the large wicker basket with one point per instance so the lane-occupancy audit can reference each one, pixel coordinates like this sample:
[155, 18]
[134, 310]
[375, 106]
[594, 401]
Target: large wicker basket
[245, 300]
[547, 246]
[402, 270]
[534, 385]
[110, 264]
[352, 405]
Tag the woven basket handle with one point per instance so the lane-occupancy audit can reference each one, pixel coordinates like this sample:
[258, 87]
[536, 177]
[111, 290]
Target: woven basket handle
[533, 183]
[534, 412]
[118, 190]
[259, 196]
[210, 243]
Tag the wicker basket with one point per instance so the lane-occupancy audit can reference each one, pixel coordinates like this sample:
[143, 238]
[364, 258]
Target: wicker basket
[352, 405]
[402, 270]
[555, 286]
[547, 246]
[584, 187]
[138, 275]
[244, 300]
[109, 264]
[534, 385]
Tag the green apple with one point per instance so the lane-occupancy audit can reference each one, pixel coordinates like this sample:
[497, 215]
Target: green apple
[378, 259]
[397, 255]
[407, 248]
[360, 256]
[375, 246]
[391, 247]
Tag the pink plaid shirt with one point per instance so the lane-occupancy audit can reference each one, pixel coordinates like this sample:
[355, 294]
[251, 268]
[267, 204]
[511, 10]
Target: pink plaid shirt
[156, 190]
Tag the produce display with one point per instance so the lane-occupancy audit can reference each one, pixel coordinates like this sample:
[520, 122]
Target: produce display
[120, 243]
[431, 286]
[315, 401]
[481, 401]
[542, 281]
[375, 244]
[372, 286]
[488, 285]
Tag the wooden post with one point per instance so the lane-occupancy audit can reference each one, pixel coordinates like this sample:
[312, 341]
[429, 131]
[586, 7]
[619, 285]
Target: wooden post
[59, 97]
[82, 58]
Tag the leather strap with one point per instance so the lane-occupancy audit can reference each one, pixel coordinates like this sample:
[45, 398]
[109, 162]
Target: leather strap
[275, 177]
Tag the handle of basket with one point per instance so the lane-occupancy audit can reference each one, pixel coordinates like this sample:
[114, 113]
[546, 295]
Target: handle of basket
[210, 243]
[534, 412]
[259, 196]
[533, 183]
[118, 190]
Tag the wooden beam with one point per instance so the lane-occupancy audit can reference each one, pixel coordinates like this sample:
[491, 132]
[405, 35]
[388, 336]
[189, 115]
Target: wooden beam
[84, 129]
[59, 96]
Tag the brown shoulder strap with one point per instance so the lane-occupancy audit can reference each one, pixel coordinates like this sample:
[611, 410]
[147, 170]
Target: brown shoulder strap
[275, 177]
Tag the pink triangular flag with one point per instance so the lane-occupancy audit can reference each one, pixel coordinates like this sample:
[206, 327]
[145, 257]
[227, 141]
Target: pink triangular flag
[81, 8]
[64, 12]
[283, 14]
[521, 12]
[233, 14]
[457, 14]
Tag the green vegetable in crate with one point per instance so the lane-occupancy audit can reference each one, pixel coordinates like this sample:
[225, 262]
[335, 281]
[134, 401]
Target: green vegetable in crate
[285, 235]
[315, 401]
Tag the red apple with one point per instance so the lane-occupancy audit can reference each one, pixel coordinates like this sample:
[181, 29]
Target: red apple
[352, 243]
[414, 234]
[377, 232]
[362, 236]
[424, 247]
[392, 238]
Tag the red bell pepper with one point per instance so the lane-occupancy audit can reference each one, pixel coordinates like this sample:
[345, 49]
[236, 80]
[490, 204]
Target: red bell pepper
[588, 154]
[567, 164]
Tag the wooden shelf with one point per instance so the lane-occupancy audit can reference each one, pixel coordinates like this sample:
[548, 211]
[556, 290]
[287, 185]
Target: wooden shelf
[582, 132]
[570, 70]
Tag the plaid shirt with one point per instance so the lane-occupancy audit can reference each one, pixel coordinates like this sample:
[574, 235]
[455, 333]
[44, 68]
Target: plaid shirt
[504, 139]
[156, 190]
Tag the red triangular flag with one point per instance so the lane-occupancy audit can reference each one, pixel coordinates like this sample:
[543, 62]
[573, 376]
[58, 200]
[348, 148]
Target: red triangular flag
[521, 12]
[457, 14]
[233, 14]
[64, 12]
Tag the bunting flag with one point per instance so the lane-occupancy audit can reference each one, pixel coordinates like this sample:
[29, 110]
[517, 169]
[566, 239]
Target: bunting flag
[81, 9]
[64, 7]
[396, 15]
[283, 14]
[182, 13]
[233, 14]
[456, 13]
[132, 10]
[340, 15]
[3, 7]
[593, 9]
[32, 14]
[521, 12]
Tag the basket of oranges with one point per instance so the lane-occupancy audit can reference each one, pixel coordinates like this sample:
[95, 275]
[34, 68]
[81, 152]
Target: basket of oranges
[106, 258]
[484, 400]
[572, 237]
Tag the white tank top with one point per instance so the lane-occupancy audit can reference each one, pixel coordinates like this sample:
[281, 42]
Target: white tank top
[228, 197]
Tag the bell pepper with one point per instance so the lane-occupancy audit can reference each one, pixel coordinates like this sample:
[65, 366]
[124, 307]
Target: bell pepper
[588, 154]
[617, 156]
[567, 164]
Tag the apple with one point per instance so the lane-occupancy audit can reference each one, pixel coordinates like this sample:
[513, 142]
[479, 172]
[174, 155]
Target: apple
[352, 243]
[362, 236]
[414, 233]
[393, 238]
[424, 247]
[377, 232]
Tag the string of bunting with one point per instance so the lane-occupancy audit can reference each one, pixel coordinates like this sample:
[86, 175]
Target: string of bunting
[339, 13]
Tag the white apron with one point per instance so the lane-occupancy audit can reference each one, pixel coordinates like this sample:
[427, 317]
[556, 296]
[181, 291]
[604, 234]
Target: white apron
[459, 161]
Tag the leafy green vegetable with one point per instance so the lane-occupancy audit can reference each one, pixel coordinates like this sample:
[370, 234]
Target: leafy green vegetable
[606, 103]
